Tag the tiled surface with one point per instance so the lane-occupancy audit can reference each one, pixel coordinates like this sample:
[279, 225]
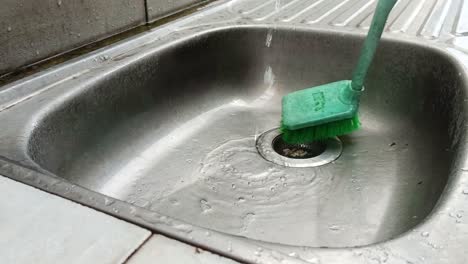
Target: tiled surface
[31, 30]
[160, 8]
[160, 249]
[37, 227]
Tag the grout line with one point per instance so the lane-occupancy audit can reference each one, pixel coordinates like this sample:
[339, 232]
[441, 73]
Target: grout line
[127, 259]
[145, 3]
[64, 56]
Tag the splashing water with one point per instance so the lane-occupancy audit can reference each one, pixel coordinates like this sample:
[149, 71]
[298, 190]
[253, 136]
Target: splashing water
[234, 171]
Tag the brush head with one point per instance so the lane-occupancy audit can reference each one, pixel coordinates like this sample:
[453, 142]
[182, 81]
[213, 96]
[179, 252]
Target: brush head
[320, 112]
[320, 132]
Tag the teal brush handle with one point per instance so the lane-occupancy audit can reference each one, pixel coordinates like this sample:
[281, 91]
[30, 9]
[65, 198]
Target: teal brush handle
[372, 40]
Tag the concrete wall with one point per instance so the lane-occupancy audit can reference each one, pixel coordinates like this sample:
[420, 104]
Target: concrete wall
[32, 30]
[161, 8]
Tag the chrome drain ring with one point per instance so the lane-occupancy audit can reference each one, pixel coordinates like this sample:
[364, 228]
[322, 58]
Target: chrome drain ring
[323, 152]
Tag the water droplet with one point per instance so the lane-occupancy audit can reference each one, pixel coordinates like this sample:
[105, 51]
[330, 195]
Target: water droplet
[241, 199]
[150, 217]
[115, 210]
[103, 57]
[189, 160]
[205, 206]
[465, 192]
[459, 215]
[434, 246]
[277, 256]
[142, 202]
[269, 37]
[164, 219]
[9, 28]
[248, 219]
[229, 246]
[207, 234]
[184, 228]
[37, 52]
[293, 254]
[425, 234]
[59, 3]
[174, 201]
[272, 188]
[233, 186]
[283, 178]
[108, 201]
[334, 227]
[313, 260]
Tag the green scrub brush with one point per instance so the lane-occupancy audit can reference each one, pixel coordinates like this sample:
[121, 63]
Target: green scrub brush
[331, 109]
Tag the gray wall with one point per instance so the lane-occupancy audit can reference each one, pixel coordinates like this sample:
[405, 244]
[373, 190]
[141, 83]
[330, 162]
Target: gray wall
[32, 30]
[160, 8]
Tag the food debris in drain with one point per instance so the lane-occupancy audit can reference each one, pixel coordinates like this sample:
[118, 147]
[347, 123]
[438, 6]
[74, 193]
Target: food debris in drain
[295, 152]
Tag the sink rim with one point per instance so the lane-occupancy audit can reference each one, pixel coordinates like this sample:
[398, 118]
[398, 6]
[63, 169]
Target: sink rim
[218, 242]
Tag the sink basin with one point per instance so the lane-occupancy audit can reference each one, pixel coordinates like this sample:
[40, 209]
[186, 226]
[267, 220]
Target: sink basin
[174, 132]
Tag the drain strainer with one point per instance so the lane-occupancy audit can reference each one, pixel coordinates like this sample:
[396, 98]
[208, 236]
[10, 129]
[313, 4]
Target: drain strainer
[272, 148]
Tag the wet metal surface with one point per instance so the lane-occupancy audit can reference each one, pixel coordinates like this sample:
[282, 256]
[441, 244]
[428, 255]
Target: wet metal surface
[165, 126]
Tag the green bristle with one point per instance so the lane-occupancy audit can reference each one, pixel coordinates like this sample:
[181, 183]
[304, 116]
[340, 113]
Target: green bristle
[320, 132]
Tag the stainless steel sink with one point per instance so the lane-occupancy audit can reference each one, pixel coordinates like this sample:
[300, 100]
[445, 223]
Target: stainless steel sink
[162, 130]
[175, 133]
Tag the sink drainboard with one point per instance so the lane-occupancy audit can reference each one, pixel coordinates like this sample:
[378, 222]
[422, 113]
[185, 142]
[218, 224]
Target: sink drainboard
[271, 147]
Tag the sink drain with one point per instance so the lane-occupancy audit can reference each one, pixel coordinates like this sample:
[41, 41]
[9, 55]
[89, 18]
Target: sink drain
[273, 148]
[297, 151]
